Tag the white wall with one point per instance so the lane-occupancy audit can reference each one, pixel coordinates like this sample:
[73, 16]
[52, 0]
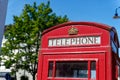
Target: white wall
[22, 73]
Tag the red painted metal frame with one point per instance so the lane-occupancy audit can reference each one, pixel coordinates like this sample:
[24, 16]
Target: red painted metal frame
[49, 59]
[106, 59]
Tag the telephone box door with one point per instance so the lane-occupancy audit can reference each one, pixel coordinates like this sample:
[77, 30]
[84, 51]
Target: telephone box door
[74, 67]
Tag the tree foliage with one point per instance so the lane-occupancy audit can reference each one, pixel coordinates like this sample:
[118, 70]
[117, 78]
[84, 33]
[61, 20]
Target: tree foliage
[24, 35]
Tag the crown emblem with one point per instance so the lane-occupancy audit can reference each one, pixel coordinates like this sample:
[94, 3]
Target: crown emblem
[73, 31]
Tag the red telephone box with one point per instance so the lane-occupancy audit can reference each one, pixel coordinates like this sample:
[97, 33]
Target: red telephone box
[79, 51]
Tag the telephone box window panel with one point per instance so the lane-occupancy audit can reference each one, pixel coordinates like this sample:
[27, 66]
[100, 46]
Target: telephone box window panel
[72, 69]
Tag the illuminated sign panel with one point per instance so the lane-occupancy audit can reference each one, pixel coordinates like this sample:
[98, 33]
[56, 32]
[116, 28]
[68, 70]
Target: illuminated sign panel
[76, 41]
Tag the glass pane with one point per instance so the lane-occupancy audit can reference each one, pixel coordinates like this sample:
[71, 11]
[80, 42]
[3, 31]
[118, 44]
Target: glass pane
[76, 69]
[118, 72]
[93, 69]
[50, 71]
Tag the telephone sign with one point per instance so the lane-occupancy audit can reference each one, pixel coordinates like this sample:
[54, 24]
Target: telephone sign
[76, 41]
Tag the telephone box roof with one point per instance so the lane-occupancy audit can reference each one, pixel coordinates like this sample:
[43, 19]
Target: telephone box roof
[99, 25]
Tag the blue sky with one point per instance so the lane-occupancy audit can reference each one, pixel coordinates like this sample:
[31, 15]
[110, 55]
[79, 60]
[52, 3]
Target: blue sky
[100, 11]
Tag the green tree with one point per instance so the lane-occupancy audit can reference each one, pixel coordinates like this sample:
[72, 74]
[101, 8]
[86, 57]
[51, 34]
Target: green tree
[24, 36]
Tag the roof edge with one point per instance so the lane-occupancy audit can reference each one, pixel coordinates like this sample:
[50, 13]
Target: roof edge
[99, 25]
